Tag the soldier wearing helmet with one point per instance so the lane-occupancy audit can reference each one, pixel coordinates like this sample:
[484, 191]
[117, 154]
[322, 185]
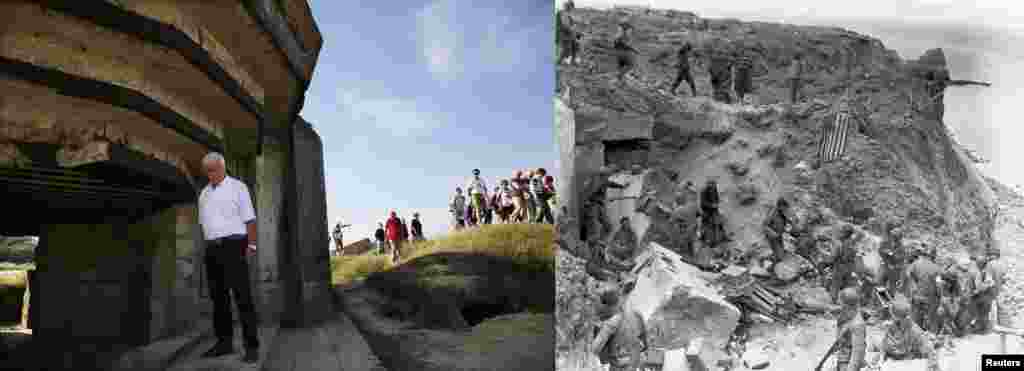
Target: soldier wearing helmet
[993, 274]
[904, 339]
[851, 343]
[844, 261]
[921, 288]
[968, 278]
[894, 258]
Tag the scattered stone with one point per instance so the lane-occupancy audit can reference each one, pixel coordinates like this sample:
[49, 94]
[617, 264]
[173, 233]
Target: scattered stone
[666, 290]
[759, 271]
[756, 359]
[747, 194]
[760, 318]
[737, 169]
[734, 271]
[790, 267]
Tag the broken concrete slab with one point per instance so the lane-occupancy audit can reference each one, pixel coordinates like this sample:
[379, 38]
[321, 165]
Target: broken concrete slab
[627, 126]
[756, 359]
[623, 202]
[678, 305]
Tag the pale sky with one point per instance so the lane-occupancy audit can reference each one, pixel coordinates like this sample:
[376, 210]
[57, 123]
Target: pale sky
[977, 38]
[410, 96]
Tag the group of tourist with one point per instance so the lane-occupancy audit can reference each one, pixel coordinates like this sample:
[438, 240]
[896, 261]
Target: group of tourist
[389, 236]
[527, 197]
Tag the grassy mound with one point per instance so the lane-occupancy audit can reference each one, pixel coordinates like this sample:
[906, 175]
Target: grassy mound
[481, 299]
[528, 246]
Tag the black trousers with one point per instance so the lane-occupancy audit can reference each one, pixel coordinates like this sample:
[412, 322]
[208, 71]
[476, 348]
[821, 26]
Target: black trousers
[227, 271]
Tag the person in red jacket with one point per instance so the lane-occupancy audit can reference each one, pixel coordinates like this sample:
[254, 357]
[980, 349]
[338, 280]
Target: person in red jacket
[393, 230]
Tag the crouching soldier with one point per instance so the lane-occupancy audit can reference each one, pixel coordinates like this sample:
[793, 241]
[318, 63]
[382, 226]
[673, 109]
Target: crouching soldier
[622, 340]
[904, 339]
[851, 343]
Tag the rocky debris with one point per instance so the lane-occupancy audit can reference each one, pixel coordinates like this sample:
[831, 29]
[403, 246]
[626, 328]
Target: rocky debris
[577, 299]
[357, 248]
[911, 171]
[678, 305]
[756, 359]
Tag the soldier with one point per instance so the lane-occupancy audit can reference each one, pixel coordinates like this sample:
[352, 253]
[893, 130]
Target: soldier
[993, 274]
[949, 303]
[796, 72]
[968, 277]
[921, 287]
[566, 37]
[570, 5]
[893, 258]
[683, 69]
[851, 342]
[775, 227]
[904, 339]
[684, 217]
[625, 51]
[719, 67]
[712, 227]
[709, 197]
[622, 339]
[564, 228]
[844, 261]
[595, 222]
[623, 246]
[743, 73]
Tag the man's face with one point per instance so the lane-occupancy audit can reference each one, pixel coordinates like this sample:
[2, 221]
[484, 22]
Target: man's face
[214, 171]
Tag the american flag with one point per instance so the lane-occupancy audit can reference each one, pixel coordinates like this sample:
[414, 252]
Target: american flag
[834, 135]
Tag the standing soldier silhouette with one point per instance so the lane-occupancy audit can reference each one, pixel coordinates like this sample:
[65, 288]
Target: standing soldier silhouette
[625, 51]
[683, 69]
[796, 73]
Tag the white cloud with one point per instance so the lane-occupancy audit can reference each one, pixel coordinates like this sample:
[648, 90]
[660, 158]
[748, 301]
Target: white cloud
[401, 116]
[445, 32]
[440, 44]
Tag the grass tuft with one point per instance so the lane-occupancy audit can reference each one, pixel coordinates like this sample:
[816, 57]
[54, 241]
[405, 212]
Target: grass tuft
[531, 245]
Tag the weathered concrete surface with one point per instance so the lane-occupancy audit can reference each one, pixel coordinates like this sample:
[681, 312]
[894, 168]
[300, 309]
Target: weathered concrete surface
[32, 113]
[678, 305]
[565, 138]
[268, 287]
[314, 260]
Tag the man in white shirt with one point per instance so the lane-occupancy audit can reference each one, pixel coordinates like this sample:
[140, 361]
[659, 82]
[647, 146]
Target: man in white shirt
[229, 227]
[477, 191]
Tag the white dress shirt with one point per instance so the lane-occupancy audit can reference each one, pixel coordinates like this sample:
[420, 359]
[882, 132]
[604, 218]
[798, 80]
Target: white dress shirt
[224, 209]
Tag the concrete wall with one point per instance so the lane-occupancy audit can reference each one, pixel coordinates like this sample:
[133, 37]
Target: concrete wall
[93, 289]
[565, 139]
[270, 209]
[313, 259]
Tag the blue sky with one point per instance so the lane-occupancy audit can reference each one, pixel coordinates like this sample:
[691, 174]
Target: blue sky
[409, 97]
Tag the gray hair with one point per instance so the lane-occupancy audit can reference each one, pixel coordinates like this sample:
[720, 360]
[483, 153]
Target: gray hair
[214, 156]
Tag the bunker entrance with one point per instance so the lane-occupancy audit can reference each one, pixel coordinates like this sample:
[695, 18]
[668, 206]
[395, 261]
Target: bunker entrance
[98, 228]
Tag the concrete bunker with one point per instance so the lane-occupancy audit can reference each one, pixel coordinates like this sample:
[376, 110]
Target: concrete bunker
[108, 110]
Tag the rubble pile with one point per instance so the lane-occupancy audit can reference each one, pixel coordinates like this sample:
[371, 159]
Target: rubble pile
[900, 164]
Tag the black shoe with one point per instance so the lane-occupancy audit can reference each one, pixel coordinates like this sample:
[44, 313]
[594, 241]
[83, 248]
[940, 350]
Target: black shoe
[221, 349]
[251, 355]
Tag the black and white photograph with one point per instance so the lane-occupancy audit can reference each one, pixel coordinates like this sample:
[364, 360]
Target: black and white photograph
[788, 185]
